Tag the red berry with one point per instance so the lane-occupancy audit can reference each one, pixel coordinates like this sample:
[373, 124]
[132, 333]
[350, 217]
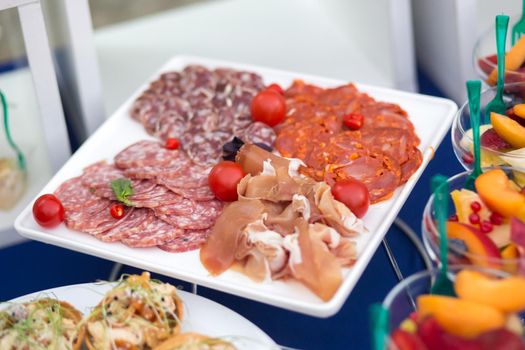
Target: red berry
[453, 218]
[468, 158]
[353, 121]
[486, 226]
[276, 87]
[117, 210]
[473, 218]
[496, 218]
[172, 143]
[475, 206]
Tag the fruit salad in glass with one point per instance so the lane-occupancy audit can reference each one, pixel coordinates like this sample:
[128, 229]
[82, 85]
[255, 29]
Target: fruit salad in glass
[485, 314]
[502, 135]
[486, 61]
[486, 224]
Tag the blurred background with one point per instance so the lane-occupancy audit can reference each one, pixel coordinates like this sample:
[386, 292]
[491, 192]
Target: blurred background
[101, 51]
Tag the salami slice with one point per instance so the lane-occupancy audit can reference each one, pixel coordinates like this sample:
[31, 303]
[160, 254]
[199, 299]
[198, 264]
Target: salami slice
[136, 220]
[202, 217]
[74, 196]
[193, 176]
[189, 240]
[156, 198]
[152, 234]
[144, 153]
[259, 133]
[198, 194]
[183, 207]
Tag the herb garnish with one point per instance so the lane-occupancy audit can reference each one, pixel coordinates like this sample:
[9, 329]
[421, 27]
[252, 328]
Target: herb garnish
[122, 189]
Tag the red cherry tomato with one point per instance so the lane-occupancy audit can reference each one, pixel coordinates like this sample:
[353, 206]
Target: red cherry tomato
[353, 121]
[117, 210]
[223, 180]
[353, 194]
[277, 88]
[48, 211]
[172, 143]
[268, 107]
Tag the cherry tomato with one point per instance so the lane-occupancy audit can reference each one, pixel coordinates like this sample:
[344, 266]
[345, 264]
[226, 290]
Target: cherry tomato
[223, 180]
[117, 210]
[353, 121]
[172, 143]
[353, 194]
[277, 88]
[48, 211]
[268, 107]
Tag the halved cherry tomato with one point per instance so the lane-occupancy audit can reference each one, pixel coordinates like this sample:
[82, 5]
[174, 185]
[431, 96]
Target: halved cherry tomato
[223, 180]
[48, 211]
[353, 194]
[353, 121]
[277, 88]
[172, 143]
[268, 107]
[117, 210]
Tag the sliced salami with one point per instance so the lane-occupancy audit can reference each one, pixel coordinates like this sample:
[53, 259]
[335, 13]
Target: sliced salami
[144, 153]
[188, 177]
[74, 196]
[189, 240]
[183, 207]
[201, 107]
[136, 220]
[156, 198]
[259, 133]
[151, 234]
[202, 217]
[198, 194]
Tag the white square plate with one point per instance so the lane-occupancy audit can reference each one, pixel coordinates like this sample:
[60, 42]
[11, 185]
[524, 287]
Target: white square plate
[431, 117]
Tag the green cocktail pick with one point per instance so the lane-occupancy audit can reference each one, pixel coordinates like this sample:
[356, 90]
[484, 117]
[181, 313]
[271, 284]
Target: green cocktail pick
[497, 105]
[519, 28]
[19, 155]
[473, 91]
[442, 285]
[379, 326]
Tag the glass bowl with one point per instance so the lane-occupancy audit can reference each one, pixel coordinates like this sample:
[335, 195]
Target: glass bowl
[456, 255]
[401, 300]
[461, 132]
[484, 55]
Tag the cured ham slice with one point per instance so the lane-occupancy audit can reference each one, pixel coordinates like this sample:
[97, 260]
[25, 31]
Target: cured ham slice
[318, 269]
[218, 253]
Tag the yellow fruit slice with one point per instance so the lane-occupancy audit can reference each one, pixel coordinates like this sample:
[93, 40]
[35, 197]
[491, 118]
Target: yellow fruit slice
[463, 318]
[462, 200]
[507, 294]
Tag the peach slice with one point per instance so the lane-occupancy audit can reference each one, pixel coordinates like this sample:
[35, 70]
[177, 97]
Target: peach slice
[503, 294]
[463, 318]
[508, 129]
[482, 251]
[499, 194]
[519, 110]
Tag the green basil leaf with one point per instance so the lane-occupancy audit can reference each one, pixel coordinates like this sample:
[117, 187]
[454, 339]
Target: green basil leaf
[122, 189]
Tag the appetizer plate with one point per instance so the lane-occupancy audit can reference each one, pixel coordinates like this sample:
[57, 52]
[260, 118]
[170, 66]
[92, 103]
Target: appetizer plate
[431, 117]
[201, 315]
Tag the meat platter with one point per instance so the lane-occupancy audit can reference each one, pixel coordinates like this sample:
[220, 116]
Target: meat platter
[172, 208]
